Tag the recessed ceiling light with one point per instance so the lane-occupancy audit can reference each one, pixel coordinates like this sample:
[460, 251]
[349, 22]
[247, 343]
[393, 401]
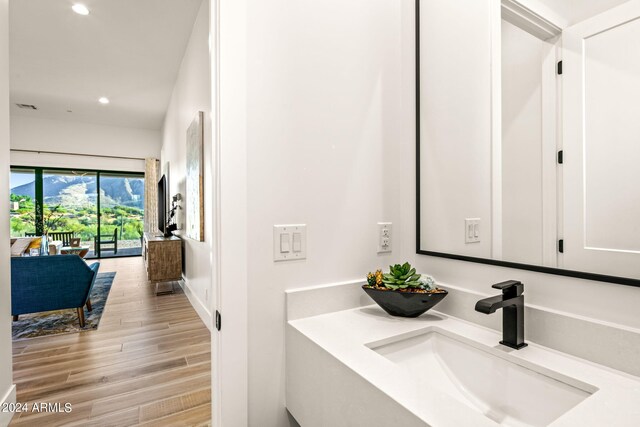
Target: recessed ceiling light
[103, 100]
[80, 9]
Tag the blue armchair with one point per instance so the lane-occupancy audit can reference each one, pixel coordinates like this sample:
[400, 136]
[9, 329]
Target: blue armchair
[46, 283]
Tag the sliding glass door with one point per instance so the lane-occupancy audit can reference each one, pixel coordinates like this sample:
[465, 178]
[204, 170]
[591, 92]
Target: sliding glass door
[22, 202]
[70, 206]
[121, 214]
[97, 214]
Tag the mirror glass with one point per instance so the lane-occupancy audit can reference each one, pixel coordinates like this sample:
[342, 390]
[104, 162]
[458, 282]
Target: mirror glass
[527, 134]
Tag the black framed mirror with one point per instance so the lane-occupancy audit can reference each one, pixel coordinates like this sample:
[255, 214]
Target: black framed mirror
[524, 147]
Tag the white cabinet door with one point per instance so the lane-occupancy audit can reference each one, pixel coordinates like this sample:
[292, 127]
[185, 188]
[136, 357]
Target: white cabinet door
[601, 139]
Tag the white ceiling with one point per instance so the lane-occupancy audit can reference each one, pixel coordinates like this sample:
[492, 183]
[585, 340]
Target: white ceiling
[127, 50]
[575, 11]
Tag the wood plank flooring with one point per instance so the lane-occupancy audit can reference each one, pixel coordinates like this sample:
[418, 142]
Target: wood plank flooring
[149, 362]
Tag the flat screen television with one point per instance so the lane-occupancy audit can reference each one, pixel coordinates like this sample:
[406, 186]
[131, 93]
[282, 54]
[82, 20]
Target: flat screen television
[162, 204]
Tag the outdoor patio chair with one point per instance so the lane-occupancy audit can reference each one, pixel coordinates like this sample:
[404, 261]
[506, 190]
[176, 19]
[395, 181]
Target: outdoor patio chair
[110, 239]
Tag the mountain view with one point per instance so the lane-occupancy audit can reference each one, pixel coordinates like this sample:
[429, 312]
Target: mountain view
[71, 204]
[81, 190]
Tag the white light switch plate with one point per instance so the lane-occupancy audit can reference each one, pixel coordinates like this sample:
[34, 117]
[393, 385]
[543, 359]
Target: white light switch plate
[289, 242]
[471, 230]
[385, 235]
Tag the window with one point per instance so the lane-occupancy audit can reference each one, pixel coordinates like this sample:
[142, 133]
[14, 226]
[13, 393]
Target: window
[105, 210]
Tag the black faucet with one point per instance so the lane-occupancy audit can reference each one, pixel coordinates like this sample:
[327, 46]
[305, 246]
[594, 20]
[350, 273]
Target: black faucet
[512, 304]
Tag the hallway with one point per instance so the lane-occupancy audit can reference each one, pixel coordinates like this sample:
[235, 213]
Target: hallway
[149, 362]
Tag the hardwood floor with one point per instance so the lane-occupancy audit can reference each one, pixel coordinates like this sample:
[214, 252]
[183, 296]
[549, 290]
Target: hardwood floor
[149, 362]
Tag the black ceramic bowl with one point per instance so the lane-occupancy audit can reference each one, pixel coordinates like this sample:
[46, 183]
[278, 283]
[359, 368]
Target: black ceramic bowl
[405, 304]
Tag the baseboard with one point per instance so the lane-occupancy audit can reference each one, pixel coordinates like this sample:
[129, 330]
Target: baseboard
[198, 306]
[9, 397]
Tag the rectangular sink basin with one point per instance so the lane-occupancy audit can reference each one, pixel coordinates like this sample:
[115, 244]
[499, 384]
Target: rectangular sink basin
[484, 378]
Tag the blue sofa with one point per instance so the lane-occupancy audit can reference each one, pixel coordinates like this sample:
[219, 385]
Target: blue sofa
[45, 283]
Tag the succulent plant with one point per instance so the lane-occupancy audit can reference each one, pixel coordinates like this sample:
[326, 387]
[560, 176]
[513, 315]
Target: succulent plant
[371, 279]
[401, 277]
[375, 279]
[427, 283]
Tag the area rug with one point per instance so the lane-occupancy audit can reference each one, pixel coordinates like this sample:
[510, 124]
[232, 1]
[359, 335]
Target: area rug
[66, 321]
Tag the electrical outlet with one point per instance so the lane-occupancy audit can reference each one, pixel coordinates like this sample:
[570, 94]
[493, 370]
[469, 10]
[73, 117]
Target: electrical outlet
[385, 235]
[472, 230]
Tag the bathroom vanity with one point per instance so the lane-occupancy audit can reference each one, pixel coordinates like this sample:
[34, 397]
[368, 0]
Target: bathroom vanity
[362, 367]
[526, 156]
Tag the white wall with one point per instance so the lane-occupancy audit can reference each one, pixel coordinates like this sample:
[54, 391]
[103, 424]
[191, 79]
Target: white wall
[317, 121]
[7, 391]
[32, 133]
[192, 93]
[522, 60]
[324, 99]
[455, 125]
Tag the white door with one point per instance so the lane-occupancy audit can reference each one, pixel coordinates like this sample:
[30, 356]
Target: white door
[601, 139]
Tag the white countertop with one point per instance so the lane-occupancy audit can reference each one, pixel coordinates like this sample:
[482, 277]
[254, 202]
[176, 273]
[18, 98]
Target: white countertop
[344, 335]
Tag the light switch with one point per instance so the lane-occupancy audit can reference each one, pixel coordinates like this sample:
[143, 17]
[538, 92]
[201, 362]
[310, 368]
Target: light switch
[471, 230]
[289, 242]
[284, 242]
[297, 241]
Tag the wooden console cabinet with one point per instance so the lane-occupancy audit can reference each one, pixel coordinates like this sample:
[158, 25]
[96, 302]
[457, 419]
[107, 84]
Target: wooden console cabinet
[162, 257]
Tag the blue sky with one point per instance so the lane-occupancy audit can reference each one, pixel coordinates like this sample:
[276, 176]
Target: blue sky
[21, 178]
